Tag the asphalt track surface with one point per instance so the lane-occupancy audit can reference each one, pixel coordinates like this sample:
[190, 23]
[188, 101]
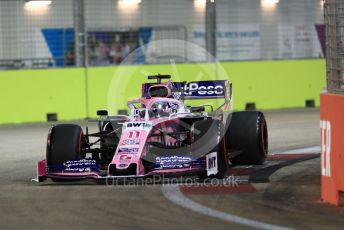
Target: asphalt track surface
[290, 198]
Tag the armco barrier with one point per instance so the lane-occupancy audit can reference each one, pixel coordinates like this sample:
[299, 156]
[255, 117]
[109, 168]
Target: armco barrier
[29, 95]
[332, 148]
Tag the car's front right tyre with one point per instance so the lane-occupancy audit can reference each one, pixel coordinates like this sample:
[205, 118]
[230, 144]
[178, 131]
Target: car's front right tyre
[64, 143]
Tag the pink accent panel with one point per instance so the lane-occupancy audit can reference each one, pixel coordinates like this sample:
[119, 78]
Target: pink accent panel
[41, 168]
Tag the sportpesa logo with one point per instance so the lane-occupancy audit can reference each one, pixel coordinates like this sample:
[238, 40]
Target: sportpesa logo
[199, 89]
[195, 88]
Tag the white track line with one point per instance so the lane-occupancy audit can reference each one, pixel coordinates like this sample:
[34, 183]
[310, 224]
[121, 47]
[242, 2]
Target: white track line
[173, 194]
[310, 150]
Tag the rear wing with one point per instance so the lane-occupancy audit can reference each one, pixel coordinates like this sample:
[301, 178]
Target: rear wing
[197, 89]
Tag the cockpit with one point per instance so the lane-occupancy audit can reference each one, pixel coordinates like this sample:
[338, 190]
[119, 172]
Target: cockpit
[163, 109]
[157, 108]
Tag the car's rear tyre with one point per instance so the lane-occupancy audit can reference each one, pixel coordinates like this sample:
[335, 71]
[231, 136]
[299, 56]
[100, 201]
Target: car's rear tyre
[206, 139]
[247, 137]
[64, 143]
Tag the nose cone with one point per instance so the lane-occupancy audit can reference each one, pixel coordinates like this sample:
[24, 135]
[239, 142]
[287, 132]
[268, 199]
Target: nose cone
[127, 159]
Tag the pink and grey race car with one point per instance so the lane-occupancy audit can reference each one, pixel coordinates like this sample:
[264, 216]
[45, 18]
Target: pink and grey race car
[160, 136]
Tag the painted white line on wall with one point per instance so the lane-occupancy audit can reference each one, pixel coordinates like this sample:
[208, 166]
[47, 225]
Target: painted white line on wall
[173, 194]
[310, 150]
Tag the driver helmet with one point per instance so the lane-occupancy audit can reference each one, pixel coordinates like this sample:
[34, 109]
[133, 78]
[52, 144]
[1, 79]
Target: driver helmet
[161, 109]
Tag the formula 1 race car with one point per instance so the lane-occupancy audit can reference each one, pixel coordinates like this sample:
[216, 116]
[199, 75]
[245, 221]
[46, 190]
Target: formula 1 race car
[160, 136]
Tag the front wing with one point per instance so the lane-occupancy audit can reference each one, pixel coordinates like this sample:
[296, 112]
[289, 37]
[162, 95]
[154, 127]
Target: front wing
[43, 173]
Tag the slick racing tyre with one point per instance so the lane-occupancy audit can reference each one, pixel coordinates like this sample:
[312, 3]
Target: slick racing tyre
[207, 142]
[64, 143]
[247, 138]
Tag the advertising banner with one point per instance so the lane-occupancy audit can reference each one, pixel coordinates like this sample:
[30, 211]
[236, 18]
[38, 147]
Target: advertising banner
[233, 42]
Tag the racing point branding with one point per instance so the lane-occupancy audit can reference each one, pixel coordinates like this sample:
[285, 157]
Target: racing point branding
[131, 142]
[128, 150]
[124, 158]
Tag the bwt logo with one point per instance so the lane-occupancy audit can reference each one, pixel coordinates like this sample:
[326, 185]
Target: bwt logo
[137, 126]
[134, 125]
[325, 130]
[195, 88]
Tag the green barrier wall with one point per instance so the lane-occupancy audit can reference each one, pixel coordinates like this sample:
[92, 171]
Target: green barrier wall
[268, 84]
[277, 84]
[111, 87]
[28, 95]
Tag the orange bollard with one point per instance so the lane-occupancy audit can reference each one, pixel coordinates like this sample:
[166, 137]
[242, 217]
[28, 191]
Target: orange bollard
[332, 148]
